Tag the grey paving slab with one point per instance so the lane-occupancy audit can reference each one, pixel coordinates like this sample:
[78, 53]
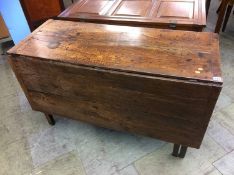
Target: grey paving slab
[32, 122]
[10, 131]
[105, 151]
[67, 164]
[224, 100]
[221, 135]
[49, 144]
[15, 159]
[9, 105]
[196, 162]
[6, 83]
[129, 170]
[226, 120]
[226, 164]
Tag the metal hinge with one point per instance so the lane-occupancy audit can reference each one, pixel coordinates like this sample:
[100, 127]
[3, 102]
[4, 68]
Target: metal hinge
[172, 25]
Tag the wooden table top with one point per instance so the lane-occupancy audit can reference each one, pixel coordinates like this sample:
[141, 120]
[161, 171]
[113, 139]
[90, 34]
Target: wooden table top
[184, 55]
[178, 14]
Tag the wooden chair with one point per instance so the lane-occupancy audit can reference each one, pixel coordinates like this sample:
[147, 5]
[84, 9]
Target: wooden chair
[224, 12]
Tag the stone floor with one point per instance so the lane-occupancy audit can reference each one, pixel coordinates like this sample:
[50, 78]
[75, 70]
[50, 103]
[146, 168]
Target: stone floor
[30, 146]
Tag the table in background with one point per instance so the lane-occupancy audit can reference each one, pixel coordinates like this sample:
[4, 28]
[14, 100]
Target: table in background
[170, 14]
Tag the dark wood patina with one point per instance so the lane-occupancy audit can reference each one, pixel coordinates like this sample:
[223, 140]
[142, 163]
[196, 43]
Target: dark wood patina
[159, 83]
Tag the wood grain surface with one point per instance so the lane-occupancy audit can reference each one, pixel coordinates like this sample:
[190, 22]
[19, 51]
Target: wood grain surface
[179, 54]
[112, 79]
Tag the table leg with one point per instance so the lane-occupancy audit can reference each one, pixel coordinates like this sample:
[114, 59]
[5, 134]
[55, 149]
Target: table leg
[207, 6]
[221, 15]
[176, 150]
[220, 5]
[228, 12]
[179, 150]
[183, 151]
[50, 119]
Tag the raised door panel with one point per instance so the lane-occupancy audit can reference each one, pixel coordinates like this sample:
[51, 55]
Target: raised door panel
[179, 10]
[90, 7]
[131, 8]
[176, 14]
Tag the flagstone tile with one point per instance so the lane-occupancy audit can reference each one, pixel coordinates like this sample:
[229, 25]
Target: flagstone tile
[221, 135]
[9, 105]
[110, 151]
[10, 130]
[23, 102]
[32, 122]
[105, 151]
[49, 144]
[129, 170]
[226, 164]
[67, 164]
[195, 162]
[15, 159]
[229, 110]
[223, 101]
[228, 90]
[225, 120]
[6, 83]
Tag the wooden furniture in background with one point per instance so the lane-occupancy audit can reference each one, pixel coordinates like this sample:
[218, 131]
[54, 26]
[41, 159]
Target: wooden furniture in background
[207, 6]
[38, 11]
[3, 29]
[172, 14]
[143, 80]
[224, 12]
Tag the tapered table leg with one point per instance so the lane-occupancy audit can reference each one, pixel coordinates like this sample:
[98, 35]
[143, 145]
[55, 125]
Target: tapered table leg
[183, 151]
[50, 119]
[207, 6]
[228, 12]
[179, 150]
[222, 12]
[176, 150]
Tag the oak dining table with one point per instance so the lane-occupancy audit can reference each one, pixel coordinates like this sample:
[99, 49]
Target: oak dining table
[148, 81]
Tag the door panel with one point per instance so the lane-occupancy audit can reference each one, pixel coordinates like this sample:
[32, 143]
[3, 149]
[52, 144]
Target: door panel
[186, 10]
[91, 7]
[176, 9]
[176, 14]
[132, 8]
